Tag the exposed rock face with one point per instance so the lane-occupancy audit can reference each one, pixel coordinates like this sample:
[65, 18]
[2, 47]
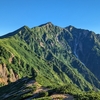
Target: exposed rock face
[11, 58]
[7, 76]
[13, 76]
[3, 74]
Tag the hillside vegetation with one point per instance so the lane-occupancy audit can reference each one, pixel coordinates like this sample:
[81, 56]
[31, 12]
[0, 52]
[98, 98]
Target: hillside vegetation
[55, 57]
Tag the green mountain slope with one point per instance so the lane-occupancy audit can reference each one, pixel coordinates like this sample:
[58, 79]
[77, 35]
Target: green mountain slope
[87, 48]
[48, 53]
[28, 89]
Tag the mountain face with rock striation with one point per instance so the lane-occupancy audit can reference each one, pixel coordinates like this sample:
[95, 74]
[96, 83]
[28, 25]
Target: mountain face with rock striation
[54, 56]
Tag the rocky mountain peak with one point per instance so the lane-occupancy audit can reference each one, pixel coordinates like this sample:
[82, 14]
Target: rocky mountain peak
[48, 24]
[70, 28]
[52, 56]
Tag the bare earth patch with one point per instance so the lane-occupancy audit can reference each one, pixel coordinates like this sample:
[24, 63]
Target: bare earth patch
[62, 96]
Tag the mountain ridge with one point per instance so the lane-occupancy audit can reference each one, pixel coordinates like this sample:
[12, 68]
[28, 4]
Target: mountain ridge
[64, 60]
[47, 41]
[45, 24]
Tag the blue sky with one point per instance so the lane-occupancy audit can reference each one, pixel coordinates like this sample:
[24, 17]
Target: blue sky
[79, 13]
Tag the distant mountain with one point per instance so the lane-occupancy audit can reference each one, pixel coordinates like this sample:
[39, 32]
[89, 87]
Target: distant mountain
[54, 56]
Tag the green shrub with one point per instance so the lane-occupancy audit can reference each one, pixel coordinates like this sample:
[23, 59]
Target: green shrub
[43, 94]
[43, 98]
[27, 95]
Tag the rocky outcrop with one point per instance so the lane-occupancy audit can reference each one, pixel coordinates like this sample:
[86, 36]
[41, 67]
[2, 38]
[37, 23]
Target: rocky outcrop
[7, 76]
[3, 74]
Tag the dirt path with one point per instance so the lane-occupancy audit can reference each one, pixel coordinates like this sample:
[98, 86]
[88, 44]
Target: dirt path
[63, 96]
[40, 90]
[54, 96]
[11, 58]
